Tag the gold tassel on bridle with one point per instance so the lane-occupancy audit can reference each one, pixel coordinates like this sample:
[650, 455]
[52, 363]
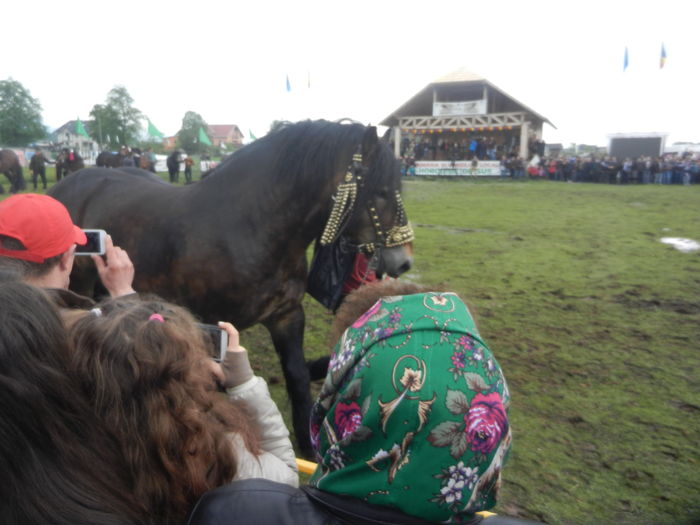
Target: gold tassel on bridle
[344, 202]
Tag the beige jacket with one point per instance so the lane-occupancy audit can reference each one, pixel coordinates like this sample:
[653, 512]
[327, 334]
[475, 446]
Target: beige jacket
[278, 461]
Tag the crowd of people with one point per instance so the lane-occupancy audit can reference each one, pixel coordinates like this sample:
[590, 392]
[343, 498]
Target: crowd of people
[668, 169]
[114, 413]
[454, 147]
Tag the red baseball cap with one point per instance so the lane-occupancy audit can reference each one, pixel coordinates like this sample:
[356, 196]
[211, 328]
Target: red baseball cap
[41, 223]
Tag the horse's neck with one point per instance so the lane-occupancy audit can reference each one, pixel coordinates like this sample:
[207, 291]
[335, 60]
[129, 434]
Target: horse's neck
[301, 212]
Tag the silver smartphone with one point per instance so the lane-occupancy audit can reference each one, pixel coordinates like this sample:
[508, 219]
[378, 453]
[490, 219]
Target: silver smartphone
[216, 340]
[95, 244]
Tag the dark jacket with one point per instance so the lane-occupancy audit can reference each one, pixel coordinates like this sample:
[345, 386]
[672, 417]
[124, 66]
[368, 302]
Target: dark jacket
[263, 502]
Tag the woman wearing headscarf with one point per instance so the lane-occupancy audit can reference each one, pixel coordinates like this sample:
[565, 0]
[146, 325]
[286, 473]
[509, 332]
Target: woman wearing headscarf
[410, 426]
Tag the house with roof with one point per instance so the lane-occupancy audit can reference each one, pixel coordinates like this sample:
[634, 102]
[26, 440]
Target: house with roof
[170, 143]
[460, 118]
[68, 136]
[225, 134]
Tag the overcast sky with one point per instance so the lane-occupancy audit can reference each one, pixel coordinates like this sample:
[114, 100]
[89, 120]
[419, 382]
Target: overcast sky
[229, 61]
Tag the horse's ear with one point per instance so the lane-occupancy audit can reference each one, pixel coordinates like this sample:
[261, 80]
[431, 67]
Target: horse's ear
[370, 143]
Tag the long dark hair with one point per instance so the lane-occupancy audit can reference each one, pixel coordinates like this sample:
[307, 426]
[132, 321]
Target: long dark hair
[57, 465]
[148, 381]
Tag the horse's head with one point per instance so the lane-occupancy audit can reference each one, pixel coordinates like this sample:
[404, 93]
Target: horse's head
[368, 210]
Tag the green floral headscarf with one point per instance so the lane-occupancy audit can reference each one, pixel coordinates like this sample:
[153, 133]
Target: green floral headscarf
[412, 414]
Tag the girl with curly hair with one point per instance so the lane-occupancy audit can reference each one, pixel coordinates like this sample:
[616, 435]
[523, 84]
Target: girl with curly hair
[144, 368]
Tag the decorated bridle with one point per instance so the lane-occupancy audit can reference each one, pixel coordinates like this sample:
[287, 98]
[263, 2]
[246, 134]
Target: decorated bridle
[344, 205]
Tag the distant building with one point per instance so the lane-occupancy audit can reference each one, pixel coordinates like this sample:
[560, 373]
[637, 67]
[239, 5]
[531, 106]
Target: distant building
[633, 145]
[170, 143]
[225, 134]
[553, 150]
[683, 148]
[67, 137]
[463, 108]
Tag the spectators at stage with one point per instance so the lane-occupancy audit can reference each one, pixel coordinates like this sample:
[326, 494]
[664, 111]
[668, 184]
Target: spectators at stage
[669, 169]
[438, 147]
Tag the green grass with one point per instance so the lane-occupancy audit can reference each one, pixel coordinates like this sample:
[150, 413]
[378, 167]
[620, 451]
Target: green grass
[596, 325]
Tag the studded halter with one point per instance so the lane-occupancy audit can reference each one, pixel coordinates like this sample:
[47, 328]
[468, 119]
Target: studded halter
[343, 207]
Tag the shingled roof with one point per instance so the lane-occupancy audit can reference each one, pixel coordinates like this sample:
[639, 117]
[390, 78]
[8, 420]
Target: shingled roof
[422, 102]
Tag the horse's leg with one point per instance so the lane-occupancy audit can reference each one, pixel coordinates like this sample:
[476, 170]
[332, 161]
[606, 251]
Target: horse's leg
[318, 368]
[11, 180]
[287, 331]
[21, 183]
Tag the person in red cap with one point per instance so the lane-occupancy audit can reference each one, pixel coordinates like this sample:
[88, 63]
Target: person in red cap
[37, 245]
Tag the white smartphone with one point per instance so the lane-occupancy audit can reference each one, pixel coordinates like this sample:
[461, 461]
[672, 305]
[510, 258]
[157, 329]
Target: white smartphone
[216, 340]
[95, 243]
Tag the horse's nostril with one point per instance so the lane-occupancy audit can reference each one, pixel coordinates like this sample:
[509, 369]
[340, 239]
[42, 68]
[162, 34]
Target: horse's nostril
[405, 267]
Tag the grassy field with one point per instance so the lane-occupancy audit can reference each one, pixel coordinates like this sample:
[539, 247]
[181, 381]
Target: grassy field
[596, 325]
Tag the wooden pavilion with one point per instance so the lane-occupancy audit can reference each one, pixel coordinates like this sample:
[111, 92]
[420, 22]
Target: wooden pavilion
[456, 111]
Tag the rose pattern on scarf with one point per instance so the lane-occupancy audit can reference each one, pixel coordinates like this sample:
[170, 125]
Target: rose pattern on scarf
[486, 422]
[483, 425]
[347, 418]
[362, 320]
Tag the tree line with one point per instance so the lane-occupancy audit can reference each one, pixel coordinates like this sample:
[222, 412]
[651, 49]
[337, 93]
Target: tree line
[114, 123]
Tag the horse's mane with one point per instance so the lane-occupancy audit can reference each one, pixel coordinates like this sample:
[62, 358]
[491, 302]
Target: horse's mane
[305, 154]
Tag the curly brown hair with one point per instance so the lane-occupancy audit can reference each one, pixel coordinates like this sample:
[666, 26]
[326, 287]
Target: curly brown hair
[150, 383]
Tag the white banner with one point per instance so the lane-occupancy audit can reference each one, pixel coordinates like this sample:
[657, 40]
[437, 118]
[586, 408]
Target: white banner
[460, 168]
[472, 107]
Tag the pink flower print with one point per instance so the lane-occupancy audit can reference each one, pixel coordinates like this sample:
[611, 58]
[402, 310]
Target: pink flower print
[395, 318]
[459, 359]
[486, 422]
[365, 316]
[466, 342]
[315, 437]
[347, 418]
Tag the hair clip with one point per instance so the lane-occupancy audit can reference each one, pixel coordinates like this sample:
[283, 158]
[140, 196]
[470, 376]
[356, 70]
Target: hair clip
[96, 312]
[156, 317]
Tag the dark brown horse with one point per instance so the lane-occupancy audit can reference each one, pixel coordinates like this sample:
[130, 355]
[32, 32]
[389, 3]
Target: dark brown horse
[233, 246]
[107, 159]
[10, 166]
[68, 162]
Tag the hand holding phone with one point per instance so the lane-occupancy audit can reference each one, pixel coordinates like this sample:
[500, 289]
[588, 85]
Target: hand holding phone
[217, 341]
[95, 244]
[235, 369]
[116, 270]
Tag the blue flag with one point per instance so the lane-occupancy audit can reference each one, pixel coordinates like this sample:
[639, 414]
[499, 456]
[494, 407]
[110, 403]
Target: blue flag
[626, 61]
[289, 86]
[662, 62]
